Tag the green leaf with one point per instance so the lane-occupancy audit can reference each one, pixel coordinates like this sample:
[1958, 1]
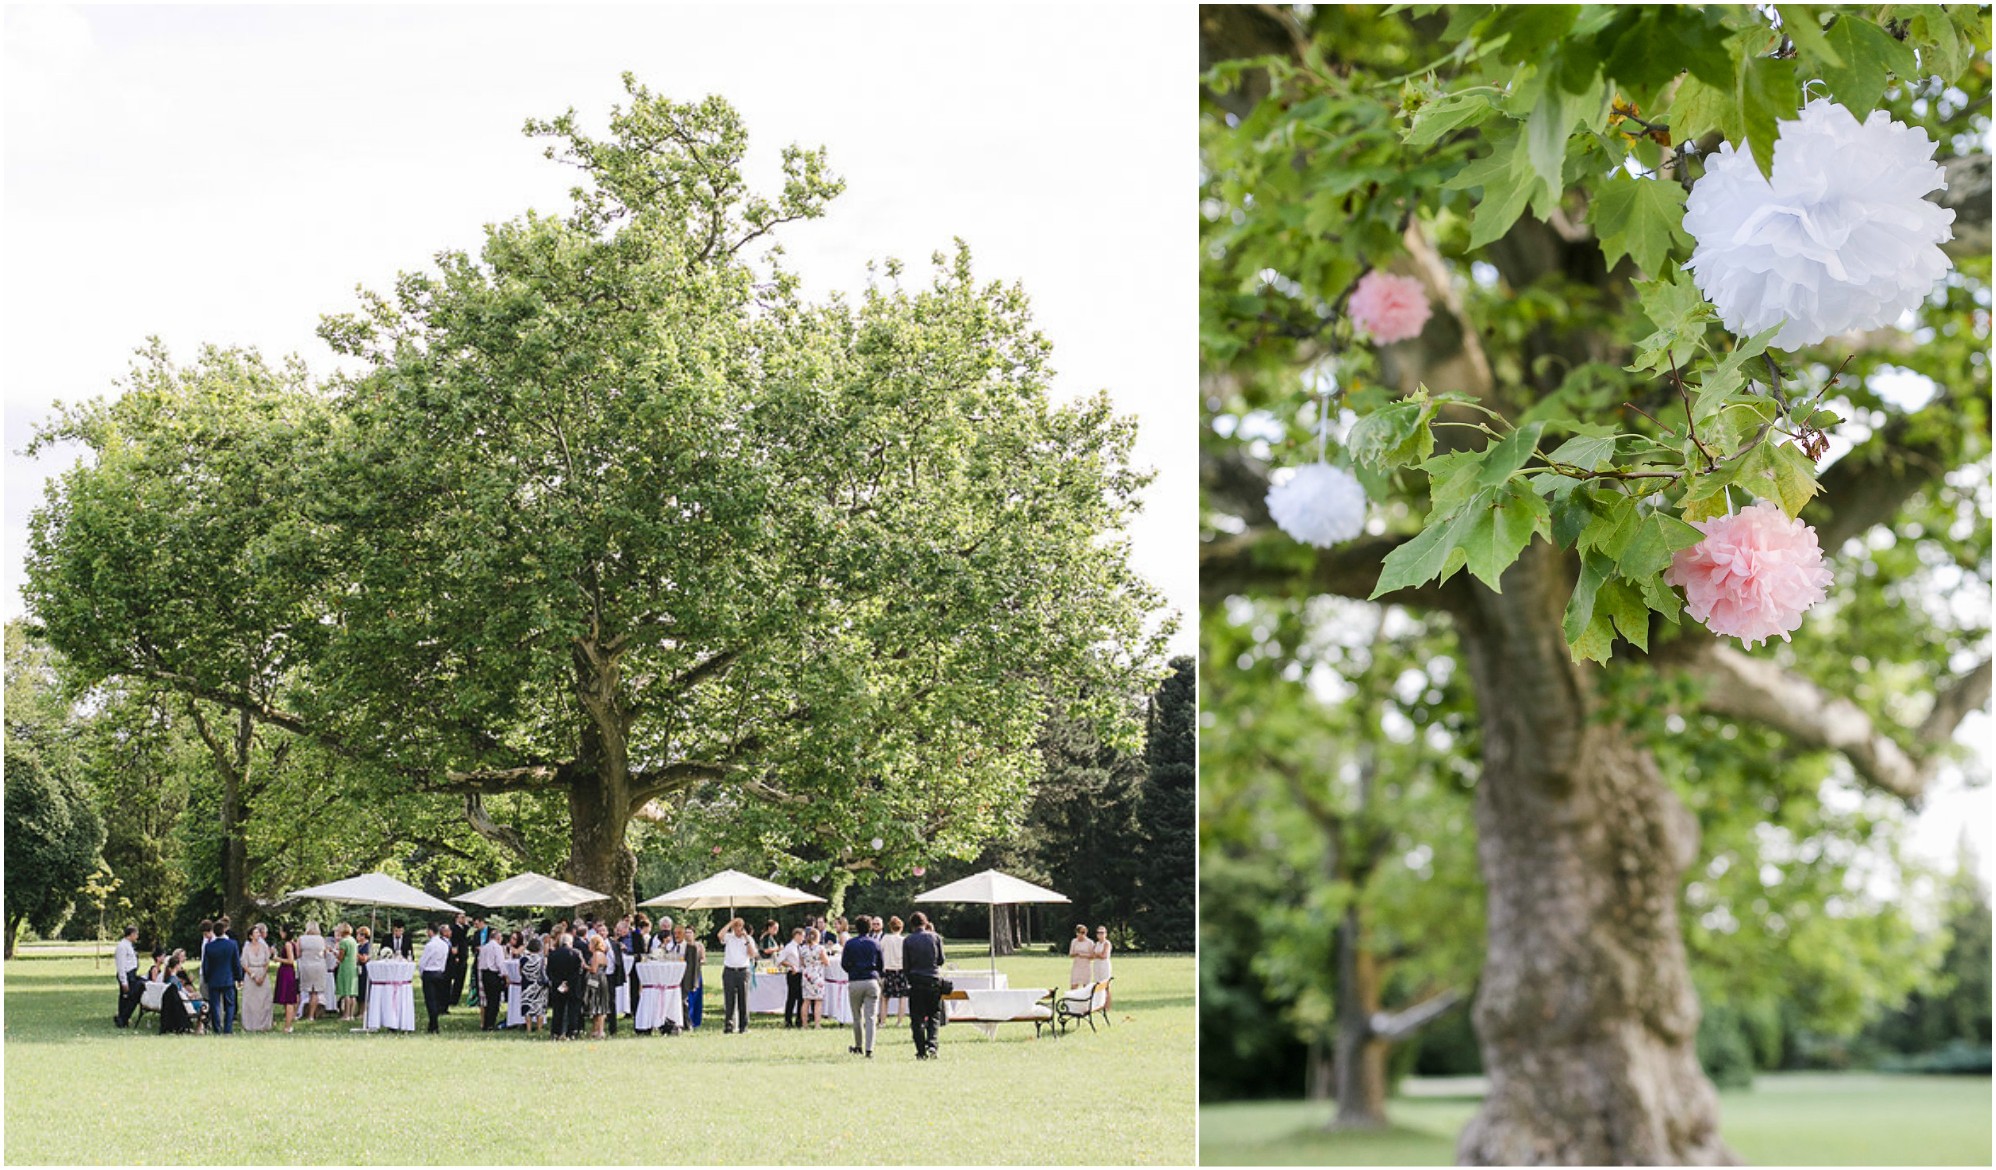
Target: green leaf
[1395, 435]
[1700, 107]
[1639, 218]
[1612, 513]
[1452, 480]
[1508, 182]
[1528, 29]
[1779, 472]
[1646, 551]
[1943, 50]
[1626, 607]
[1446, 114]
[1869, 57]
[1432, 554]
[1509, 454]
[1705, 494]
[1768, 94]
[1498, 532]
[1803, 27]
[1592, 452]
[1580, 607]
[1680, 313]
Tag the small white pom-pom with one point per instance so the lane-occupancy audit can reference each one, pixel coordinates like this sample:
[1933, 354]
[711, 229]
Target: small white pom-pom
[1838, 239]
[1319, 504]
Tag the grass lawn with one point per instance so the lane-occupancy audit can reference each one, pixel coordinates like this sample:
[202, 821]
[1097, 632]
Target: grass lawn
[80, 1090]
[1796, 1119]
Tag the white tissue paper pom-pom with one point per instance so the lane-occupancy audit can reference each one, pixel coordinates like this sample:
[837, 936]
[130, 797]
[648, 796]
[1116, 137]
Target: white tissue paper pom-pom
[1320, 505]
[1839, 239]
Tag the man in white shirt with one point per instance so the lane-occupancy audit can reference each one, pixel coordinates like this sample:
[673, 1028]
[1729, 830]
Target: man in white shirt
[125, 961]
[737, 957]
[436, 985]
[791, 959]
[491, 978]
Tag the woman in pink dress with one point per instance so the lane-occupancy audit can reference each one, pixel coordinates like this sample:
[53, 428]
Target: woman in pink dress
[286, 962]
[1082, 952]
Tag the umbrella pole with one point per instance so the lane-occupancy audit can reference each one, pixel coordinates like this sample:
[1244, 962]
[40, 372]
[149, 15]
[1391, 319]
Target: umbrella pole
[994, 944]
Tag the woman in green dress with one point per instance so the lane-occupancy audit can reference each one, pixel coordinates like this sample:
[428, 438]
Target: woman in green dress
[346, 977]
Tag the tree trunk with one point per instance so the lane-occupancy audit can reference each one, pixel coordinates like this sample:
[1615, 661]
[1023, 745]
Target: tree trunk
[599, 792]
[598, 859]
[835, 898]
[1320, 1072]
[1361, 1054]
[232, 763]
[235, 850]
[1585, 1012]
[1003, 941]
[13, 935]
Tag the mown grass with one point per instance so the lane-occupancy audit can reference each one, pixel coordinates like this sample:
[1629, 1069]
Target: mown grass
[1791, 1119]
[80, 1090]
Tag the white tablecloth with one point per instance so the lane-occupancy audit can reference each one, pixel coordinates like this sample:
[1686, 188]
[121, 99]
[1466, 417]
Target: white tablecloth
[987, 1008]
[659, 997]
[977, 980]
[510, 968]
[766, 993]
[624, 988]
[391, 995]
[838, 1006]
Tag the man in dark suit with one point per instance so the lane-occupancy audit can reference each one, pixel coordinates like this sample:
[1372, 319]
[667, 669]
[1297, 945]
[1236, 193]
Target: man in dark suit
[458, 961]
[565, 988]
[397, 943]
[221, 974]
[922, 957]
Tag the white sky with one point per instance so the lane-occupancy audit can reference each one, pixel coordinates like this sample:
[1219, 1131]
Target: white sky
[228, 174]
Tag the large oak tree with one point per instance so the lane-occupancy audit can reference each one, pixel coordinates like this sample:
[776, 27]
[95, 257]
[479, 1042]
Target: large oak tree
[612, 513]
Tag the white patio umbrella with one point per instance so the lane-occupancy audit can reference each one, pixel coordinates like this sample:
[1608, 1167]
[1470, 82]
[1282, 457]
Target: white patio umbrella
[730, 888]
[373, 889]
[994, 889]
[531, 889]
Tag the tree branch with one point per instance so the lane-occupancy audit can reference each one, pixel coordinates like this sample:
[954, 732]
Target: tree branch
[1392, 1026]
[505, 835]
[482, 781]
[1738, 685]
[1869, 485]
[1231, 565]
[649, 786]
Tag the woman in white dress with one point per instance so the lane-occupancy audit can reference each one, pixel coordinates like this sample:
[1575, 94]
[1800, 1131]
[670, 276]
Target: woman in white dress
[315, 981]
[1098, 963]
[259, 987]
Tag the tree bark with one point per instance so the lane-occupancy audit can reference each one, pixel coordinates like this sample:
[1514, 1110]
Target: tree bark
[1585, 1012]
[232, 762]
[599, 788]
[1361, 1052]
[1003, 937]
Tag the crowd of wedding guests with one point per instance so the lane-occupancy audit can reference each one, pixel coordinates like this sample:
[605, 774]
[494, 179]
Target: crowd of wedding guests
[568, 973]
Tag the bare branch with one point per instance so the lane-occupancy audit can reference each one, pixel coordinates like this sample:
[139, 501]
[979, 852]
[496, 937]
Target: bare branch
[1399, 1025]
[1740, 686]
[526, 778]
[505, 835]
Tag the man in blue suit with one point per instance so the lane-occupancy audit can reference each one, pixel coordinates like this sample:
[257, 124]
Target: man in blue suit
[221, 974]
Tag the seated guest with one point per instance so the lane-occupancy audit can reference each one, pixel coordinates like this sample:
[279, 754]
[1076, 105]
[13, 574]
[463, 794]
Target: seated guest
[180, 1009]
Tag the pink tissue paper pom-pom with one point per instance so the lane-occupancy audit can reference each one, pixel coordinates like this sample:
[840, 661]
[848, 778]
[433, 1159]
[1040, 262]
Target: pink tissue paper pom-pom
[1389, 308]
[1752, 575]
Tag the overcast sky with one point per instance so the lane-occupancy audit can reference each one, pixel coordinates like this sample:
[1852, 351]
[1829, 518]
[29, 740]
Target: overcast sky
[228, 174]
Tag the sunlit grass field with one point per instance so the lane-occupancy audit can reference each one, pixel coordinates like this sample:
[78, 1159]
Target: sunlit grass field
[80, 1090]
[1785, 1119]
